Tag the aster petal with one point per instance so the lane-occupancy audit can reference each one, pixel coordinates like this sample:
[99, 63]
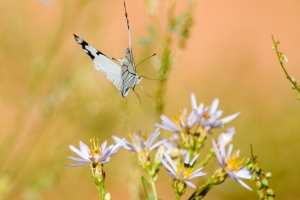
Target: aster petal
[85, 151]
[217, 124]
[78, 152]
[79, 159]
[187, 158]
[190, 184]
[217, 153]
[244, 184]
[194, 159]
[136, 144]
[171, 174]
[244, 173]
[193, 101]
[197, 175]
[219, 113]
[181, 175]
[76, 164]
[116, 139]
[142, 143]
[214, 106]
[126, 144]
[167, 124]
[104, 156]
[104, 161]
[129, 146]
[152, 137]
[234, 177]
[103, 146]
[197, 170]
[222, 148]
[116, 148]
[230, 118]
[229, 150]
[170, 169]
[158, 144]
[170, 162]
[200, 109]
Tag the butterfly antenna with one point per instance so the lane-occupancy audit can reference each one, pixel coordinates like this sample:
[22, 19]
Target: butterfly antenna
[153, 79]
[128, 29]
[146, 59]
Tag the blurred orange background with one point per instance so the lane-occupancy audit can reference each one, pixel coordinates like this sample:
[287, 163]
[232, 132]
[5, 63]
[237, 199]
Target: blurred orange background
[51, 97]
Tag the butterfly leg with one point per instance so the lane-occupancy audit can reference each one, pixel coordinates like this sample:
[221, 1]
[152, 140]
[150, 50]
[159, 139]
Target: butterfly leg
[144, 90]
[138, 96]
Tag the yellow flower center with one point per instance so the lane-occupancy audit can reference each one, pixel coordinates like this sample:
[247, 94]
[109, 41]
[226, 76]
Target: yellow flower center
[138, 138]
[95, 148]
[187, 171]
[177, 118]
[234, 163]
[206, 116]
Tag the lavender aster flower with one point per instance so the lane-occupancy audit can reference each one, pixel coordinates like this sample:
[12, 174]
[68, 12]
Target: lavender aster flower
[231, 164]
[142, 145]
[94, 155]
[180, 123]
[185, 172]
[208, 117]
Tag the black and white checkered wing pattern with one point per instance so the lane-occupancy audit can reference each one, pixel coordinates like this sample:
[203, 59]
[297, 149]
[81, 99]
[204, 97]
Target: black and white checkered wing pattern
[102, 63]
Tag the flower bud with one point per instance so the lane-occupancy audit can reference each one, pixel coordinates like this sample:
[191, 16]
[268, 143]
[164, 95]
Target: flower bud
[258, 185]
[270, 192]
[265, 182]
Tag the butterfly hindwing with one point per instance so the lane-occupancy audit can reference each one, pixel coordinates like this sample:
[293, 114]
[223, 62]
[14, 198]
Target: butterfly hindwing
[102, 63]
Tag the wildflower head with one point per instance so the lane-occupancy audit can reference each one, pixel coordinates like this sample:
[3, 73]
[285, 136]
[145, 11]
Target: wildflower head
[179, 123]
[142, 145]
[96, 154]
[183, 173]
[208, 117]
[232, 164]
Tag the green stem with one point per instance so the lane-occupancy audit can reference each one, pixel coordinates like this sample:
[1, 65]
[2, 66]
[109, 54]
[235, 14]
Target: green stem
[207, 159]
[217, 178]
[201, 191]
[152, 182]
[178, 197]
[282, 66]
[100, 187]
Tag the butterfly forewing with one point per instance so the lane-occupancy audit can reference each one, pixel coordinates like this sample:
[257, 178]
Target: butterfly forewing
[102, 63]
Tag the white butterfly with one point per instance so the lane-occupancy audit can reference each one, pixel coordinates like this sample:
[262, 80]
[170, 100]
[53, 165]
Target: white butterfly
[124, 77]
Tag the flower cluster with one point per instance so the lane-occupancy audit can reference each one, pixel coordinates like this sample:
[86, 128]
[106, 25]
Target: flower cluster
[178, 154]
